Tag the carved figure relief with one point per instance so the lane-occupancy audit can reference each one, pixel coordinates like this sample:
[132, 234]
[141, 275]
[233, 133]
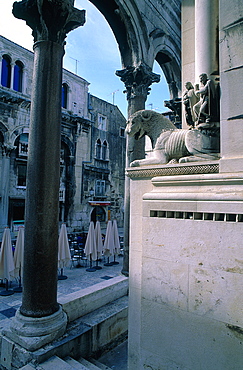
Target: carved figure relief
[189, 100]
[170, 143]
[206, 109]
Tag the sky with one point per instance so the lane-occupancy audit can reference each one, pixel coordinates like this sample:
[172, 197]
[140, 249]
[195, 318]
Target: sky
[91, 52]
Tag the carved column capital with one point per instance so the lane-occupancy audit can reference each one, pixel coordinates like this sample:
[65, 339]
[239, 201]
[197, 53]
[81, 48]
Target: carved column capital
[50, 20]
[7, 149]
[137, 80]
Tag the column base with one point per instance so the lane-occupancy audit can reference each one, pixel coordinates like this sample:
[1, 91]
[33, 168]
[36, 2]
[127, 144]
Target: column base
[33, 333]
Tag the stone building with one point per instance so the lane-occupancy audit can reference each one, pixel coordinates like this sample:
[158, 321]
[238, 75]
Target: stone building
[92, 133]
[185, 219]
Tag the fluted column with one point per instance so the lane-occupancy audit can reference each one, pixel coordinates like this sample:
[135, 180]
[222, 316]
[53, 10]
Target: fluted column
[137, 81]
[40, 315]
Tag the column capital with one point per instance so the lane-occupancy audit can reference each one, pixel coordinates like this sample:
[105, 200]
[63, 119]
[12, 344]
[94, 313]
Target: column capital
[137, 79]
[50, 20]
[7, 149]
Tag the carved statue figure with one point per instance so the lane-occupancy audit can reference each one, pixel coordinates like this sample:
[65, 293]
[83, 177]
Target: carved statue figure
[206, 110]
[189, 100]
[170, 143]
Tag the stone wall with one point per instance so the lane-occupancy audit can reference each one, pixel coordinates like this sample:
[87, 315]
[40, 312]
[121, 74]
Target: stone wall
[185, 304]
[185, 308]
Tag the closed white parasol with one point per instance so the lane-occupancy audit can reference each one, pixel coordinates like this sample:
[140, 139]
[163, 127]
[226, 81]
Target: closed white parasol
[6, 261]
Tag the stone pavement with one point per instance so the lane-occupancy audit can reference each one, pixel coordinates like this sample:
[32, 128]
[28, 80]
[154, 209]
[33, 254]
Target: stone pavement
[77, 278]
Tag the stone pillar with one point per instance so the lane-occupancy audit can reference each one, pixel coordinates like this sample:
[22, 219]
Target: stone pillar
[231, 83]
[137, 81]
[206, 38]
[5, 174]
[40, 318]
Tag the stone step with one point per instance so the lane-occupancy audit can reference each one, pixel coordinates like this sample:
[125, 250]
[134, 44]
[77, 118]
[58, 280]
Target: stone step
[99, 364]
[88, 364]
[55, 363]
[84, 301]
[27, 367]
[91, 333]
[75, 364]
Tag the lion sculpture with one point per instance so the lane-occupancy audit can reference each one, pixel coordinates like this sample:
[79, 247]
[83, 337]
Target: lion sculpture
[168, 142]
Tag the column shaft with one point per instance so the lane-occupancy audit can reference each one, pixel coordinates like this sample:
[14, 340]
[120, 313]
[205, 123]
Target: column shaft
[43, 172]
[206, 37]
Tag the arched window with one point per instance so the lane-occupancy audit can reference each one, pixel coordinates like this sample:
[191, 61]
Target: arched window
[64, 95]
[18, 76]
[104, 150]
[98, 149]
[6, 71]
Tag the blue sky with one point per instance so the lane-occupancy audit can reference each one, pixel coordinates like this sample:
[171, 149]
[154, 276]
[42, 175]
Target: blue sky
[91, 52]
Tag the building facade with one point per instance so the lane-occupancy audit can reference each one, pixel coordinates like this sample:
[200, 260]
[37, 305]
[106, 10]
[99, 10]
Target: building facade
[92, 158]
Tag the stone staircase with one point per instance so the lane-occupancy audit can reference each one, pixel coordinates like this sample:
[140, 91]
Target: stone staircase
[67, 363]
[97, 322]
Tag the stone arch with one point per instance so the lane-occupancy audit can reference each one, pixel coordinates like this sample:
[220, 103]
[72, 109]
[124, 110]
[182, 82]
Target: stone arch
[69, 144]
[140, 41]
[124, 20]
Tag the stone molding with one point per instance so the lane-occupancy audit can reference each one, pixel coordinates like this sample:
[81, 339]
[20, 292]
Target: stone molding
[34, 332]
[172, 170]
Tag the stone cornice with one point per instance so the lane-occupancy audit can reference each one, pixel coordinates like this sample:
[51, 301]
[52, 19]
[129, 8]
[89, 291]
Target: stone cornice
[173, 170]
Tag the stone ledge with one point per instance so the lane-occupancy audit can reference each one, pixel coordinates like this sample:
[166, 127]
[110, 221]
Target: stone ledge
[173, 169]
[86, 300]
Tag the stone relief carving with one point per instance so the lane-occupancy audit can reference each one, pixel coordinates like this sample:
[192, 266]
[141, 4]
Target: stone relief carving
[189, 100]
[206, 110]
[172, 144]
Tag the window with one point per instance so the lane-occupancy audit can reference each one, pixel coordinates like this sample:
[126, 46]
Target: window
[101, 122]
[23, 145]
[64, 95]
[18, 76]
[22, 169]
[122, 131]
[104, 150]
[100, 188]
[98, 149]
[6, 71]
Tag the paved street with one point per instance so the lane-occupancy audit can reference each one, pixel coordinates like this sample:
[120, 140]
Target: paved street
[77, 278]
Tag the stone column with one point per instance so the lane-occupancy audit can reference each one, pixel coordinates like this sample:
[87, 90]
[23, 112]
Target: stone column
[5, 174]
[206, 38]
[40, 318]
[137, 81]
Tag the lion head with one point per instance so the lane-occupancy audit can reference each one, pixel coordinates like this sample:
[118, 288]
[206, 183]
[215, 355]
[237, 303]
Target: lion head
[148, 122]
[137, 124]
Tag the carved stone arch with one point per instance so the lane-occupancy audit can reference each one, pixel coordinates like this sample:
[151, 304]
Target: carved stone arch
[68, 144]
[126, 22]
[17, 131]
[172, 71]
[167, 52]
[3, 128]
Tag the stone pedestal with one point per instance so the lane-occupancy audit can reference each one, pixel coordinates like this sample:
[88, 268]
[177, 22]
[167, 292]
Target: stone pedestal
[185, 307]
[33, 333]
